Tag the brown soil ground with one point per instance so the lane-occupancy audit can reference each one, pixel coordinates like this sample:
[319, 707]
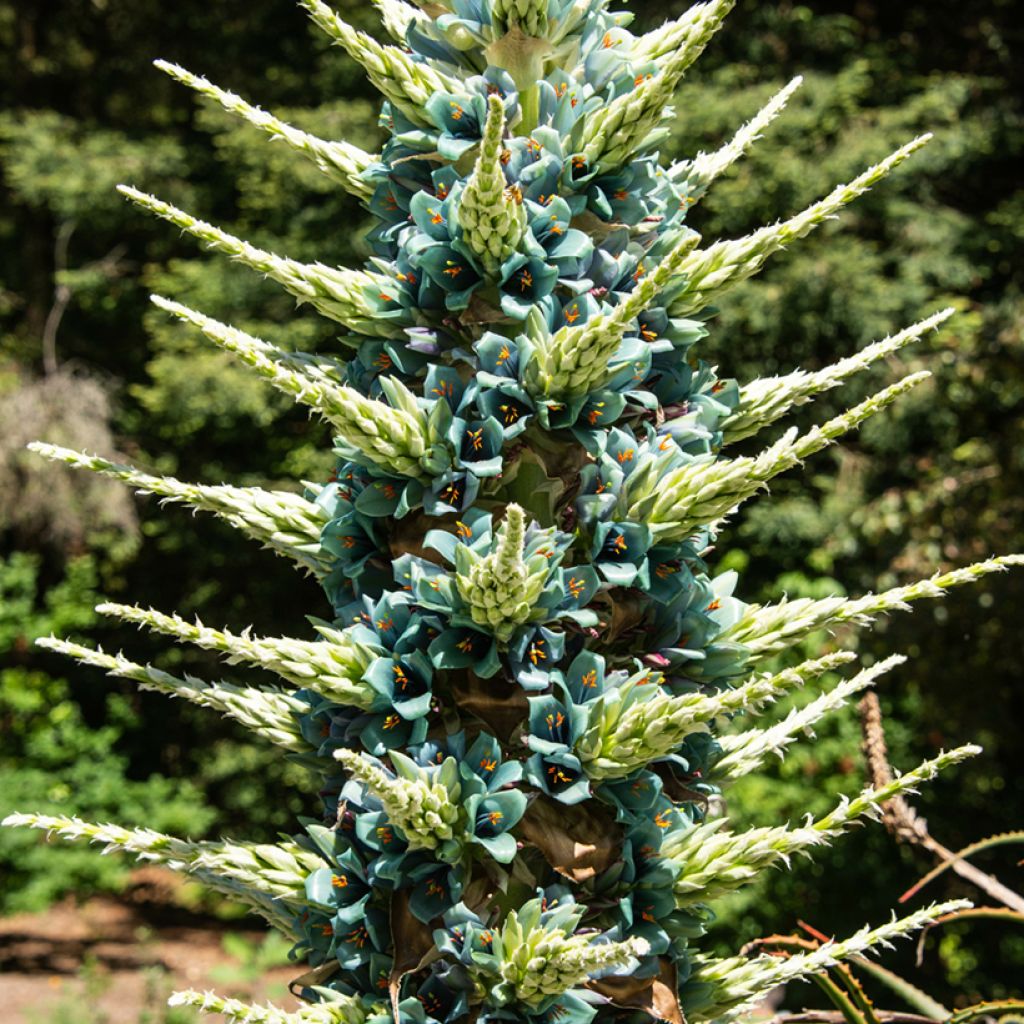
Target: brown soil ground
[111, 960]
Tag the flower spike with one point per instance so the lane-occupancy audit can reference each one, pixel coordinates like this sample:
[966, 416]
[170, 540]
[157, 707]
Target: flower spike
[422, 808]
[394, 440]
[697, 174]
[767, 399]
[744, 752]
[355, 298]
[279, 520]
[341, 161]
[502, 588]
[340, 1010]
[332, 668]
[714, 861]
[768, 629]
[617, 744]
[406, 83]
[491, 214]
[709, 272]
[729, 987]
[702, 492]
[580, 359]
[271, 714]
[397, 16]
[691, 29]
[613, 134]
[270, 878]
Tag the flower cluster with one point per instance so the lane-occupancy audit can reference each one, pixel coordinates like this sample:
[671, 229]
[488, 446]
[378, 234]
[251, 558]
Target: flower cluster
[514, 702]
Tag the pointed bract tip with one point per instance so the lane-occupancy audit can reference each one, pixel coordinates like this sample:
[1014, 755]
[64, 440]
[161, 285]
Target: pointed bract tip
[315, 6]
[170, 306]
[49, 451]
[891, 662]
[133, 193]
[50, 643]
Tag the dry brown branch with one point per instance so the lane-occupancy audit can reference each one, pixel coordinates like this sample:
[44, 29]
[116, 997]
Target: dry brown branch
[904, 823]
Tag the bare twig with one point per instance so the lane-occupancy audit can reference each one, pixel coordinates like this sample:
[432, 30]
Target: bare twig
[108, 265]
[905, 824]
[61, 296]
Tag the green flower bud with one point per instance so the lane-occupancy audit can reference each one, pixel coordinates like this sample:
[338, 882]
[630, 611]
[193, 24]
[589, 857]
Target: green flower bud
[501, 589]
[540, 962]
[491, 214]
[529, 16]
[424, 810]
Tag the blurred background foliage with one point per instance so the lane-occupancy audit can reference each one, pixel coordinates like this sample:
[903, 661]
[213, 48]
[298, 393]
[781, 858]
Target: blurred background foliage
[86, 362]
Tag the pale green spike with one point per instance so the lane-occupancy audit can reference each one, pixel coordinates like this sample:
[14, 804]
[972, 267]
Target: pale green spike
[869, 801]
[270, 713]
[577, 360]
[491, 215]
[539, 975]
[709, 272]
[768, 629]
[423, 809]
[767, 399]
[397, 16]
[318, 368]
[406, 83]
[270, 908]
[613, 133]
[351, 297]
[511, 540]
[396, 440]
[614, 745]
[269, 878]
[340, 161]
[743, 752]
[340, 1010]
[280, 520]
[666, 40]
[722, 990]
[501, 588]
[707, 489]
[704, 168]
[539, 962]
[332, 668]
[714, 862]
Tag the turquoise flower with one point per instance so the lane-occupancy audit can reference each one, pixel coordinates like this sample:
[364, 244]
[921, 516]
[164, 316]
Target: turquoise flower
[526, 282]
[554, 768]
[342, 887]
[353, 539]
[619, 553]
[685, 632]
[460, 117]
